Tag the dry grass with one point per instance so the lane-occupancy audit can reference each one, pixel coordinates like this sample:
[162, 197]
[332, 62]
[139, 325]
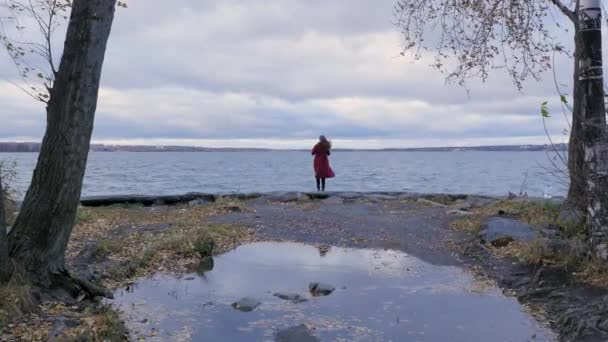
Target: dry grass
[178, 236]
[98, 324]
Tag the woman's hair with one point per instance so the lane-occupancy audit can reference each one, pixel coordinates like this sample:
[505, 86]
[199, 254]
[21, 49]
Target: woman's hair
[323, 140]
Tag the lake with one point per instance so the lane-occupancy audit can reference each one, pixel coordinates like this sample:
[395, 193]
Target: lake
[165, 173]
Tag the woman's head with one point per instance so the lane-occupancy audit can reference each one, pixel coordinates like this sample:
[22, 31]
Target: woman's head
[323, 140]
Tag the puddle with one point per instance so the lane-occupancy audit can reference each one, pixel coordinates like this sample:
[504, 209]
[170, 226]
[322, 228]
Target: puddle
[379, 296]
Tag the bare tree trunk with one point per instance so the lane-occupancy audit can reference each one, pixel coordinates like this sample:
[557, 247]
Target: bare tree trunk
[5, 265]
[593, 114]
[39, 238]
[577, 192]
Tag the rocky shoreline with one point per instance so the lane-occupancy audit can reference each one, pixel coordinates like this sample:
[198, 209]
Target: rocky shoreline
[289, 196]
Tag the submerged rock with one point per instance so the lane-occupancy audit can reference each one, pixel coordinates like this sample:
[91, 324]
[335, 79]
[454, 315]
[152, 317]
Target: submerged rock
[246, 304]
[500, 231]
[320, 289]
[299, 333]
[292, 297]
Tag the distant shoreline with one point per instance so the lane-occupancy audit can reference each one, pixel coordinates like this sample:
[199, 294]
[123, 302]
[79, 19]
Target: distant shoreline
[10, 147]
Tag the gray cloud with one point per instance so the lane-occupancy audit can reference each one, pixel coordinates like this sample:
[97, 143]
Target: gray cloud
[204, 72]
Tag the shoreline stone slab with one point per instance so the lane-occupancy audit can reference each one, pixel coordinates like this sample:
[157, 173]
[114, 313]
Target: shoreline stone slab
[500, 231]
[198, 198]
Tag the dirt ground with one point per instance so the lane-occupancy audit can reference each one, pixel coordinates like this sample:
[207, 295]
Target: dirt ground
[574, 309]
[114, 245]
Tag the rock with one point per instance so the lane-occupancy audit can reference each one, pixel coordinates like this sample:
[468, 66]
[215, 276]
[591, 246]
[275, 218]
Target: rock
[246, 304]
[350, 195]
[479, 201]
[198, 202]
[382, 197]
[99, 201]
[333, 200]
[317, 195]
[571, 249]
[550, 230]
[431, 203]
[570, 218]
[500, 231]
[320, 289]
[292, 297]
[299, 333]
[323, 249]
[284, 197]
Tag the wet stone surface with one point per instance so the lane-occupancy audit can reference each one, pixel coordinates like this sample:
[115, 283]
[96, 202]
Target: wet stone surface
[379, 296]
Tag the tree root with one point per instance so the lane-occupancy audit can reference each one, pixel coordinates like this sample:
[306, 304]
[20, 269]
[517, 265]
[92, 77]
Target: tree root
[91, 289]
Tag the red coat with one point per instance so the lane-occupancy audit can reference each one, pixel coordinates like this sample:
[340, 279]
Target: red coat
[321, 162]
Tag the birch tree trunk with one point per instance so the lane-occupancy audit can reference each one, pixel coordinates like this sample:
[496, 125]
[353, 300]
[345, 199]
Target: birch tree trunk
[39, 238]
[593, 114]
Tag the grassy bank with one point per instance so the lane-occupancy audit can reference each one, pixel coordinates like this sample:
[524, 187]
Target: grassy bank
[567, 250]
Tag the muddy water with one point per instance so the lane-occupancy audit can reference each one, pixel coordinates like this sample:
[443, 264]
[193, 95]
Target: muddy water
[379, 296]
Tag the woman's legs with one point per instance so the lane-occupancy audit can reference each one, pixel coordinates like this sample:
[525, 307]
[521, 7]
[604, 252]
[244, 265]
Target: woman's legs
[318, 183]
[322, 184]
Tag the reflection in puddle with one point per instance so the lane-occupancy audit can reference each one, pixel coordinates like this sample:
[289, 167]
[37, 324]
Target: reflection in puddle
[379, 296]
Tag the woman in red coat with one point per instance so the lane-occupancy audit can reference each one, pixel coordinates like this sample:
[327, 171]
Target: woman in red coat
[321, 151]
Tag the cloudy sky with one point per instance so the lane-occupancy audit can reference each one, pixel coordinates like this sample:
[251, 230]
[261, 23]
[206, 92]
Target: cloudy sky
[277, 73]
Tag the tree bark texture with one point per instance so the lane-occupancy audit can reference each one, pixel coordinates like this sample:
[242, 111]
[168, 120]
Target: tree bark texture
[5, 265]
[39, 238]
[593, 135]
[577, 192]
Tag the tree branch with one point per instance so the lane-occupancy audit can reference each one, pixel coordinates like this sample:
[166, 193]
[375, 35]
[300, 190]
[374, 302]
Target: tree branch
[565, 10]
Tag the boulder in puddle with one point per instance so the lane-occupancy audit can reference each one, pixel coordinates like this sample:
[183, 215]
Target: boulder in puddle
[246, 304]
[299, 333]
[320, 289]
[500, 231]
[292, 297]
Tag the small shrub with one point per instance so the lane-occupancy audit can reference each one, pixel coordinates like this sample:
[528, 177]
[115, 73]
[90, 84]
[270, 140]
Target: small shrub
[107, 247]
[204, 245]
[83, 215]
